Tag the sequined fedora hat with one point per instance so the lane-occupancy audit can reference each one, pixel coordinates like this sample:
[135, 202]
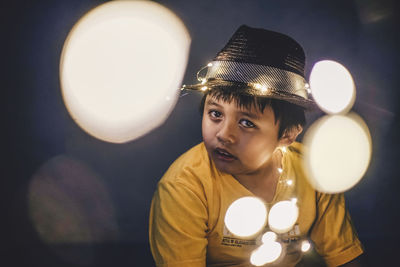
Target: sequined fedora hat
[259, 62]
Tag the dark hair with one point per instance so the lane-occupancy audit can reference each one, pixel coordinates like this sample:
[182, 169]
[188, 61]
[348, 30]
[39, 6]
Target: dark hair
[289, 115]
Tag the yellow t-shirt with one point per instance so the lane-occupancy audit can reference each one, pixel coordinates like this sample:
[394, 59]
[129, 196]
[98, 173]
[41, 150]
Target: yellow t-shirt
[188, 210]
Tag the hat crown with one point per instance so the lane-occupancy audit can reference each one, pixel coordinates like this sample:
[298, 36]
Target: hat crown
[264, 47]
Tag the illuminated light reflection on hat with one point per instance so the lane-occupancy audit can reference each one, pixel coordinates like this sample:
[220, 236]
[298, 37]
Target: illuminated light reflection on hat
[266, 253]
[332, 87]
[121, 68]
[338, 154]
[282, 216]
[246, 216]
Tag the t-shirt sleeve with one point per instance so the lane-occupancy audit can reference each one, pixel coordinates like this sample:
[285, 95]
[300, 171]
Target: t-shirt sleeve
[333, 233]
[178, 225]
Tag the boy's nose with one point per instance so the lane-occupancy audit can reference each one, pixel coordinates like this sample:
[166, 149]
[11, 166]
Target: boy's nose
[227, 133]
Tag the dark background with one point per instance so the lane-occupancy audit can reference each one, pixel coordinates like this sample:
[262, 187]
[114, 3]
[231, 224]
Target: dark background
[105, 189]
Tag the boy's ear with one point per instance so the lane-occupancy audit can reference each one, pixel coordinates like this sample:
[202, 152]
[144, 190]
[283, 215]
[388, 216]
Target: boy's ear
[290, 135]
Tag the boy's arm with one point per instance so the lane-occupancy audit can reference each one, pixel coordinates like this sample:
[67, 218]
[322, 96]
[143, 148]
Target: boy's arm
[357, 262]
[333, 232]
[178, 226]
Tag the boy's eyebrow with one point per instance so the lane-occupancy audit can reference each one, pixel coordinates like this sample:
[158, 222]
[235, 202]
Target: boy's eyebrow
[245, 113]
[210, 102]
[250, 115]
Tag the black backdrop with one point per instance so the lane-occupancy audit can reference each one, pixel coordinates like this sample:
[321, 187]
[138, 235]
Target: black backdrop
[361, 34]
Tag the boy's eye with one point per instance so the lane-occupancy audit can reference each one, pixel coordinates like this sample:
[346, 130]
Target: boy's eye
[247, 123]
[214, 113]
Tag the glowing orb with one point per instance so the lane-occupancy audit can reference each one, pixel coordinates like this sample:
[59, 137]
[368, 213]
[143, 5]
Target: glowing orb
[305, 246]
[121, 68]
[268, 237]
[246, 216]
[69, 204]
[332, 87]
[266, 253]
[338, 152]
[282, 216]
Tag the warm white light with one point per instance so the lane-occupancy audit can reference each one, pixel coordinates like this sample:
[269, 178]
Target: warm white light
[332, 87]
[338, 154]
[289, 182]
[257, 86]
[280, 170]
[209, 65]
[119, 64]
[266, 253]
[246, 216]
[203, 88]
[284, 149]
[305, 246]
[282, 216]
[268, 237]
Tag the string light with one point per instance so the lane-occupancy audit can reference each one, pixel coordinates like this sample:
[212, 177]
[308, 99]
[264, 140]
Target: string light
[204, 88]
[305, 246]
[289, 182]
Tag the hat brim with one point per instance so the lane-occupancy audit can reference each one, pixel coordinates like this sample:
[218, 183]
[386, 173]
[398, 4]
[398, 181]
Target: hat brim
[246, 89]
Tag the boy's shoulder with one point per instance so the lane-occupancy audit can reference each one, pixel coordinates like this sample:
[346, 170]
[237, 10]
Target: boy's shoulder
[192, 166]
[296, 148]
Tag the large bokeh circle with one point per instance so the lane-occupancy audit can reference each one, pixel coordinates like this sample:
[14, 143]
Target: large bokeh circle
[121, 68]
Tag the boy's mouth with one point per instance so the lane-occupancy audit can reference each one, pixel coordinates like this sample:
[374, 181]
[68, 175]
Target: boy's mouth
[224, 155]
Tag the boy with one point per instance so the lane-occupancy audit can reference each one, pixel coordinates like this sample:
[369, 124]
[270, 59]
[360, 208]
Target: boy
[253, 110]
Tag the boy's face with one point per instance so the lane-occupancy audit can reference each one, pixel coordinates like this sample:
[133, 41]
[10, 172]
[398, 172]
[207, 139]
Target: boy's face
[240, 141]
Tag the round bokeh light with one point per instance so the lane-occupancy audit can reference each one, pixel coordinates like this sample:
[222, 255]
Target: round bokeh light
[269, 237]
[246, 216]
[266, 253]
[338, 152]
[332, 87]
[121, 68]
[282, 216]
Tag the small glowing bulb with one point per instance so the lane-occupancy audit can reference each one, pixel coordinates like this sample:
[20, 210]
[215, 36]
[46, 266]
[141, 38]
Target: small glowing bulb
[305, 246]
[203, 81]
[289, 182]
[284, 149]
[209, 65]
[204, 88]
[269, 237]
[257, 86]
[280, 170]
